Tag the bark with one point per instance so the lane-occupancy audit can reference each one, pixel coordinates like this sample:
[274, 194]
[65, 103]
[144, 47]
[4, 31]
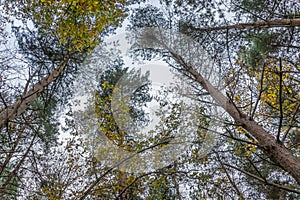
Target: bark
[19, 107]
[266, 141]
[262, 24]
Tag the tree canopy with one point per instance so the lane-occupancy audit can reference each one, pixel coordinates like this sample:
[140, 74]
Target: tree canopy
[234, 104]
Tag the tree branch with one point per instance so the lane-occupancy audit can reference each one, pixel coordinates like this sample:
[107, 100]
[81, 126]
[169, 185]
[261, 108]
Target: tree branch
[263, 180]
[261, 24]
[280, 101]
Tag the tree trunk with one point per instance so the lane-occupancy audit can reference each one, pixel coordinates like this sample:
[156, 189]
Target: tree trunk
[263, 24]
[266, 141]
[15, 110]
[17, 168]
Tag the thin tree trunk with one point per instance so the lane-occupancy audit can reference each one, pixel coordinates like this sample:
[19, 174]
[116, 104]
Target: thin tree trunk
[15, 110]
[12, 151]
[266, 141]
[262, 24]
[17, 168]
[176, 185]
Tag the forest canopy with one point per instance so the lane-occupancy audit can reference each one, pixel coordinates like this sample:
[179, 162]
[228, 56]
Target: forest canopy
[87, 112]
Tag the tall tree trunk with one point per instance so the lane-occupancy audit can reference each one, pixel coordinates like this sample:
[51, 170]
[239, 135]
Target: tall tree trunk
[262, 24]
[266, 141]
[15, 110]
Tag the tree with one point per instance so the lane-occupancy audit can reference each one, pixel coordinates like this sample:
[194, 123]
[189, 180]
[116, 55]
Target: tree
[52, 55]
[77, 42]
[265, 140]
[258, 133]
[239, 75]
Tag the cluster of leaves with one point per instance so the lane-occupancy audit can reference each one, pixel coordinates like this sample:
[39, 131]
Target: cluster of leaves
[277, 86]
[121, 119]
[266, 89]
[78, 24]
